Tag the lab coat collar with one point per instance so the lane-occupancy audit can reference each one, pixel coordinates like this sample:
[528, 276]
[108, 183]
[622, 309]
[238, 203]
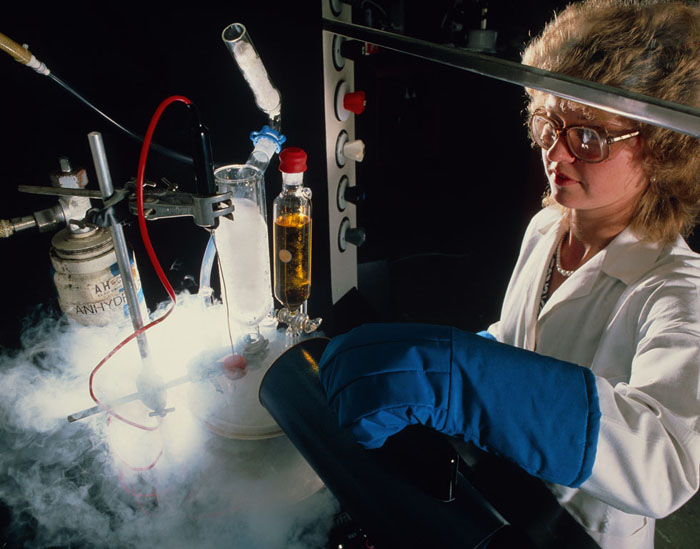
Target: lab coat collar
[626, 258]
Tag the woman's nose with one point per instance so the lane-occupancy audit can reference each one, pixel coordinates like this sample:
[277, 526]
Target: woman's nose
[559, 151]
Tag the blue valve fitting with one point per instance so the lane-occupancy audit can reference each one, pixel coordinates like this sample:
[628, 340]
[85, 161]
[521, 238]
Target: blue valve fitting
[268, 133]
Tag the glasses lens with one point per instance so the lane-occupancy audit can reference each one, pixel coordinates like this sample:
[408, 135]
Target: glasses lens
[585, 143]
[543, 131]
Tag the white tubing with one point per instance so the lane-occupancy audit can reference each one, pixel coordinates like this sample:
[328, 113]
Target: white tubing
[207, 266]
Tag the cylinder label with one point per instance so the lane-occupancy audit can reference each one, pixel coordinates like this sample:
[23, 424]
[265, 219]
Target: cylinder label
[95, 298]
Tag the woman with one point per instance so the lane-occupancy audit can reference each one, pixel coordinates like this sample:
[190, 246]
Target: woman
[597, 386]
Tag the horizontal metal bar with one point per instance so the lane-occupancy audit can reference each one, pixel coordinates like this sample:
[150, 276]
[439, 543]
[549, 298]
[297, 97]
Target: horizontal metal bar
[58, 191]
[681, 118]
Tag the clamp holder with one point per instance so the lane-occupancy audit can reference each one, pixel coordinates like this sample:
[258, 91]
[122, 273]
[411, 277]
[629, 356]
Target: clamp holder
[162, 204]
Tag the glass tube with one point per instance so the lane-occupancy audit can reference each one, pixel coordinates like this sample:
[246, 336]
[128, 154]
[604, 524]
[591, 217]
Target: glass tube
[239, 44]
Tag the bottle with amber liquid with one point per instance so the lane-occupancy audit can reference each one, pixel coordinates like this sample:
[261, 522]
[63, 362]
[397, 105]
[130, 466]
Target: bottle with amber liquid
[292, 233]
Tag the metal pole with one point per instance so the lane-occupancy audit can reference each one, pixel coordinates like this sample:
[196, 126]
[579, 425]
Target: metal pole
[681, 118]
[105, 180]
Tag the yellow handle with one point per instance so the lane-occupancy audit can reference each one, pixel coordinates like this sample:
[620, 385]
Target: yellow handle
[20, 53]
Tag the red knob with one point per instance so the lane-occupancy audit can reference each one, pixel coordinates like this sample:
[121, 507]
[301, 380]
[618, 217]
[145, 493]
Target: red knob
[355, 102]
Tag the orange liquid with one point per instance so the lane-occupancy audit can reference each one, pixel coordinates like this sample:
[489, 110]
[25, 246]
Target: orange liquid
[292, 245]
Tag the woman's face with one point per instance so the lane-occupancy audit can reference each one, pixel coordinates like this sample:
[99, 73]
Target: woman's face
[612, 186]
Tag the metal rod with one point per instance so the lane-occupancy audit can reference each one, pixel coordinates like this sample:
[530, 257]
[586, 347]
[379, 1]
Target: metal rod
[99, 157]
[123, 400]
[681, 118]
[58, 191]
[104, 179]
[208, 371]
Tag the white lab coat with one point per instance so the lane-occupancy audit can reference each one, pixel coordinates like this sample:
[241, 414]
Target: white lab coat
[631, 314]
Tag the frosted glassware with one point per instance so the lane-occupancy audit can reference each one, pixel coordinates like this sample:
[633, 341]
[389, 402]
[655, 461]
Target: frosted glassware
[243, 246]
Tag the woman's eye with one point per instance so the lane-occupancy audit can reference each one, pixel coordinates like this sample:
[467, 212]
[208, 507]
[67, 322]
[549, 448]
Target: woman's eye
[588, 139]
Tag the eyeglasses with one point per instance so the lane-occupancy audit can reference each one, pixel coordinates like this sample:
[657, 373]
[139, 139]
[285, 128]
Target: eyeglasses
[586, 143]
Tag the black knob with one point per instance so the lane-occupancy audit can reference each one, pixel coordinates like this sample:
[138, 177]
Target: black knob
[354, 194]
[356, 236]
[352, 49]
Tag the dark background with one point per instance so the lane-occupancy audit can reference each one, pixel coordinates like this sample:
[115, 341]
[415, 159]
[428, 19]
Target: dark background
[449, 175]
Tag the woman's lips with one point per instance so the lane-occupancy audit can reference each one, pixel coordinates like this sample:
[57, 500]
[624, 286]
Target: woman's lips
[562, 180]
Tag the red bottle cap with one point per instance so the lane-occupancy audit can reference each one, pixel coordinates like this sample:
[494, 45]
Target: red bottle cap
[293, 160]
[355, 102]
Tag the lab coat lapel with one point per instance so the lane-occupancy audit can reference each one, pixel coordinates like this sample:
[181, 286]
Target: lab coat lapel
[580, 284]
[537, 265]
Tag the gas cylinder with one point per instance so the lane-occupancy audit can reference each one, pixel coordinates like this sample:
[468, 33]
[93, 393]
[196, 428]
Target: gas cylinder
[87, 278]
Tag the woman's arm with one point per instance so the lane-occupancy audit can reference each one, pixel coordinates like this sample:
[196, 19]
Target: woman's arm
[648, 459]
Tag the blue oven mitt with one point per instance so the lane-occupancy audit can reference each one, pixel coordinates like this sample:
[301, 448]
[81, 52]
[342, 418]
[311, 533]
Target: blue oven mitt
[539, 412]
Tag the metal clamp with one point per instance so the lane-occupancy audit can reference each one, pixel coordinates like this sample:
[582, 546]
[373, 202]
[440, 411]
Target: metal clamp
[158, 203]
[162, 204]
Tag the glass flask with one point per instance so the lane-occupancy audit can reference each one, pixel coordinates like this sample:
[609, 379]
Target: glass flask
[243, 246]
[292, 232]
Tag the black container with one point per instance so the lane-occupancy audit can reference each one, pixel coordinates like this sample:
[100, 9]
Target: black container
[392, 492]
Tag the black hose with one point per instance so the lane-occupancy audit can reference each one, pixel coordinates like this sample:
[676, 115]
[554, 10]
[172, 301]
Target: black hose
[163, 150]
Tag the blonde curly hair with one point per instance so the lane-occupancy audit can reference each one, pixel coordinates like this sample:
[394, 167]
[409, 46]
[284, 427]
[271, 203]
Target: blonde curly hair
[650, 47]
